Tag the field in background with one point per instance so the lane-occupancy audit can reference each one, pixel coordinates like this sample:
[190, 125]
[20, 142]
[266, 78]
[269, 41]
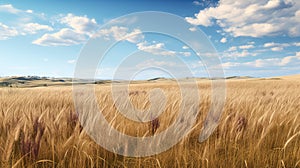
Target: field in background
[260, 127]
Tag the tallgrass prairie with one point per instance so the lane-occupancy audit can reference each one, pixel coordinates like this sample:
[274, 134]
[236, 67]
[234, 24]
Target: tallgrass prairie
[259, 127]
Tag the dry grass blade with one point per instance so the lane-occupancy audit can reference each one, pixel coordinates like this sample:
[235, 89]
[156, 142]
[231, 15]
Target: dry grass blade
[290, 139]
[40, 128]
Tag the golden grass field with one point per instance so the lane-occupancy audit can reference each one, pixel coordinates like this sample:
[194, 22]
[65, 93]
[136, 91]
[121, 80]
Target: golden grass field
[259, 127]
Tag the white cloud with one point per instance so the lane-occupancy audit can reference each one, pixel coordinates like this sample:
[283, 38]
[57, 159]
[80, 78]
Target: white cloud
[223, 40]
[272, 44]
[80, 24]
[254, 30]
[78, 31]
[65, 37]
[185, 47]
[71, 61]
[233, 48]
[33, 28]
[280, 46]
[159, 49]
[9, 8]
[269, 62]
[286, 60]
[156, 49]
[20, 23]
[23, 29]
[153, 62]
[200, 20]
[237, 54]
[240, 51]
[121, 33]
[197, 3]
[297, 44]
[228, 65]
[7, 32]
[264, 62]
[192, 29]
[136, 36]
[254, 18]
[246, 46]
[29, 11]
[187, 54]
[277, 48]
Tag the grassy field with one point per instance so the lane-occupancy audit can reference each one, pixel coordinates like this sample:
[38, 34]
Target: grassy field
[260, 127]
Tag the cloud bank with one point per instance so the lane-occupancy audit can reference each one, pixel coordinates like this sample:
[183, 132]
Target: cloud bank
[255, 18]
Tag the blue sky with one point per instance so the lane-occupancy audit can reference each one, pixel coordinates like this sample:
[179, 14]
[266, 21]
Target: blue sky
[253, 38]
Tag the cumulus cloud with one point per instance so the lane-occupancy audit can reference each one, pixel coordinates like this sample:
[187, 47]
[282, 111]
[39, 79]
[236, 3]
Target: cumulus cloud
[239, 51]
[237, 54]
[192, 29]
[233, 48]
[29, 11]
[71, 61]
[272, 44]
[223, 40]
[80, 24]
[197, 3]
[200, 19]
[156, 49]
[277, 48]
[24, 26]
[269, 62]
[187, 54]
[64, 37]
[23, 29]
[286, 60]
[78, 29]
[9, 8]
[159, 49]
[185, 47]
[254, 18]
[33, 28]
[136, 36]
[121, 33]
[7, 32]
[246, 46]
[228, 65]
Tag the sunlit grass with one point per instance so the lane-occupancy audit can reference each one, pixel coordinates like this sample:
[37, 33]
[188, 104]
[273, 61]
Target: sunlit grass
[260, 127]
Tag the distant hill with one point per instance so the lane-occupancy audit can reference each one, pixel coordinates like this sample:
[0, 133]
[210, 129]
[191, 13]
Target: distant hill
[32, 81]
[156, 79]
[296, 76]
[36, 81]
[239, 77]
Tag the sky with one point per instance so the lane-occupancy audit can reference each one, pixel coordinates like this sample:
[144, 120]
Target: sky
[259, 38]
